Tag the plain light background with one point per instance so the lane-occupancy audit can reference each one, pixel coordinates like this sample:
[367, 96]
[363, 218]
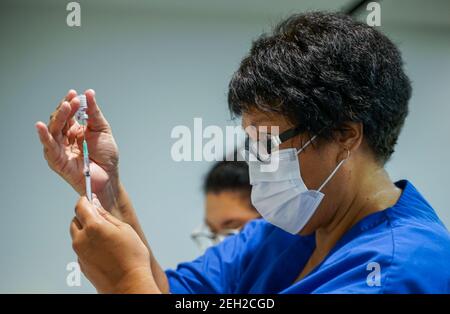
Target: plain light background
[155, 65]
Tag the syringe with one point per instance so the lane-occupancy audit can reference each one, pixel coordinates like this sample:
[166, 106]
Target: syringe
[82, 119]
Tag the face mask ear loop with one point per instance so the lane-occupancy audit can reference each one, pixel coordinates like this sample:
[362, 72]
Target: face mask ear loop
[334, 171]
[306, 144]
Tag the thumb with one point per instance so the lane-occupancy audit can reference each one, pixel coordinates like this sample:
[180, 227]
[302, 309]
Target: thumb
[96, 120]
[104, 213]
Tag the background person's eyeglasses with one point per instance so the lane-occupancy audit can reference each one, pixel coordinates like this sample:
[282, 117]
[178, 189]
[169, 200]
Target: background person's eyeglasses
[204, 237]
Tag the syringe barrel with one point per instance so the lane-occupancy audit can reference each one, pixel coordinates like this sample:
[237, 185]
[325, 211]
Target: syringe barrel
[85, 157]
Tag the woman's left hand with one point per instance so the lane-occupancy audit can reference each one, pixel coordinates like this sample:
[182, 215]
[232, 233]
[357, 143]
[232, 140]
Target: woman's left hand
[110, 253]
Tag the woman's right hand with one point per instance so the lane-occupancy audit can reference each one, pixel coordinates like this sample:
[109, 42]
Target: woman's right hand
[62, 142]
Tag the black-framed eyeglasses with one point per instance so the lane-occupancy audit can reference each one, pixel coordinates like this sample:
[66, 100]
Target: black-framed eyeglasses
[263, 146]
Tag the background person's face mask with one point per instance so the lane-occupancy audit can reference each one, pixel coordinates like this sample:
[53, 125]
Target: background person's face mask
[281, 196]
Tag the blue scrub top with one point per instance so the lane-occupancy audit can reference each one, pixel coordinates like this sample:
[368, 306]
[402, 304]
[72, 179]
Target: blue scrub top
[403, 249]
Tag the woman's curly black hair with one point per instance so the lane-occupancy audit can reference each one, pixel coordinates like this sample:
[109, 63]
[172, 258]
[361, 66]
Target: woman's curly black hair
[324, 69]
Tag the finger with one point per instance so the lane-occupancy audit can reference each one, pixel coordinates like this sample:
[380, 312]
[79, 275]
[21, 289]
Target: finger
[71, 126]
[85, 212]
[80, 136]
[66, 127]
[103, 213]
[59, 119]
[47, 140]
[70, 94]
[74, 106]
[96, 120]
[73, 131]
[75, 227]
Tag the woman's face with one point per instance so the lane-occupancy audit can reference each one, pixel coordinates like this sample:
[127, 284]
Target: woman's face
[228, 210]
[317, 162]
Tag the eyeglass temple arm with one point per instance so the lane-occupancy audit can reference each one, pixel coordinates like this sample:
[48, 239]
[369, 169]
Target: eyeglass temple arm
[283, 137]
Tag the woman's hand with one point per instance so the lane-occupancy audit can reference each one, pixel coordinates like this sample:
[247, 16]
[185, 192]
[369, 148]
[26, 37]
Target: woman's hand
[110, 252]
[62, 141]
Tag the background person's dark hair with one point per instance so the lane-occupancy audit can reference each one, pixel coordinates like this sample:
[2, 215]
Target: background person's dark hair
[228, 176]
[321, 70]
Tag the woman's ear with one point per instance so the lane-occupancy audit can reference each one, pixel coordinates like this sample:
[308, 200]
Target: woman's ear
[350, 135]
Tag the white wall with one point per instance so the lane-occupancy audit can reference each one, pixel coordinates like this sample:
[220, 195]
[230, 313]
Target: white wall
[422, 31]
[423, 152]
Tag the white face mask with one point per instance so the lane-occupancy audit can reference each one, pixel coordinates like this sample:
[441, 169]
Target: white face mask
[281, 196]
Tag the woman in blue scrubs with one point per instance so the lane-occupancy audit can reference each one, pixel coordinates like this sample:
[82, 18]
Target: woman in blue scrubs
[323, 99]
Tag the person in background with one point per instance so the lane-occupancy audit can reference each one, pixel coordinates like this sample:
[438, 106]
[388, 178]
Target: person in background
[227, 203]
